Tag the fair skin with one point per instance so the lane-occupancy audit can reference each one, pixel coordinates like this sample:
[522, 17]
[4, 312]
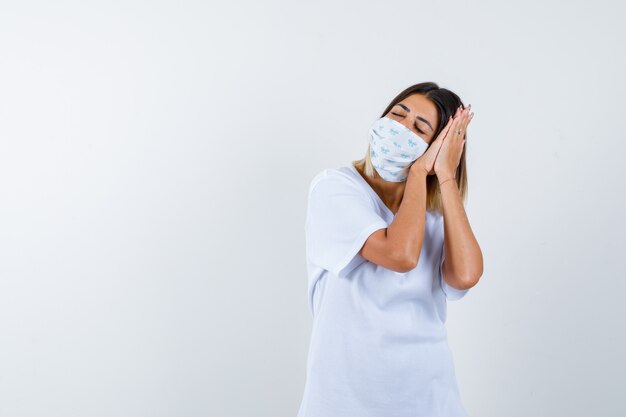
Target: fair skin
[398, 246]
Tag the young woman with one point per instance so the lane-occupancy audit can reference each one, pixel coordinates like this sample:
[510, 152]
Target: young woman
[382, 265]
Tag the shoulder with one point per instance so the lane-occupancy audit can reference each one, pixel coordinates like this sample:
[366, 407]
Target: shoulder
[336, 178]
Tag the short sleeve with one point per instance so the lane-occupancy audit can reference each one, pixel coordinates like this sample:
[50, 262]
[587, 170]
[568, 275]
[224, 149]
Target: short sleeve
[452, 294]
[340, 218]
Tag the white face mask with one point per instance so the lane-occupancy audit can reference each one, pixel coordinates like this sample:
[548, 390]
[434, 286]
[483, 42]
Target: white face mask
[393, 148]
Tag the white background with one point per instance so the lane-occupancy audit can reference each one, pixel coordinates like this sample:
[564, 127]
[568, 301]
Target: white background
[154, 163]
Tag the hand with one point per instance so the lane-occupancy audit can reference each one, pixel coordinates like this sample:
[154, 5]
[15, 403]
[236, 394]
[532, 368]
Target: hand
[449, 155]
[425, 163]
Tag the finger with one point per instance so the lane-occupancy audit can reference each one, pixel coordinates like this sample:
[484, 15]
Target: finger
[438, 143]
[449, 124]
[457, 127]
[446, 129]
[468, 120]
[455, 117]
[463, 123]
[468, 115]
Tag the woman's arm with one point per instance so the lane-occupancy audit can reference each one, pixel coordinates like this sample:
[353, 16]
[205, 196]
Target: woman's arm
[463, 263]
[398, 246]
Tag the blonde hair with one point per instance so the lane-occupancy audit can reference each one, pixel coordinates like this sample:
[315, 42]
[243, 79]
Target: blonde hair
[446, 102]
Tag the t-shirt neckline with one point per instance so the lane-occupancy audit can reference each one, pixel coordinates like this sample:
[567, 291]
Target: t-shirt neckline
[370, 189]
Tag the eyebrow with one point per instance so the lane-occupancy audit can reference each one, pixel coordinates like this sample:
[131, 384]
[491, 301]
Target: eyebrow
[417, 117]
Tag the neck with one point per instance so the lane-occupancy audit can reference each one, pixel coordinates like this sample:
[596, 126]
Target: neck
[390, 192]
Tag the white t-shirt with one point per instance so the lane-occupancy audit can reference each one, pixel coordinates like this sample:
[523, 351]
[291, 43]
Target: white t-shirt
[378, 345]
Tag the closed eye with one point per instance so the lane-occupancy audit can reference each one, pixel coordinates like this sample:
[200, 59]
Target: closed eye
[414, 123]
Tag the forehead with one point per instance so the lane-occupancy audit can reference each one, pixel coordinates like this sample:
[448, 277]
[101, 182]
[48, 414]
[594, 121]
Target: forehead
[422, 106]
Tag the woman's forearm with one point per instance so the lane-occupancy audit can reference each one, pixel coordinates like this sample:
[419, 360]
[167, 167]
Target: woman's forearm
[407, 229]
[464, 259]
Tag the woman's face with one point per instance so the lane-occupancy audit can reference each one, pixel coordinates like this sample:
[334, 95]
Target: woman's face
[418, 114]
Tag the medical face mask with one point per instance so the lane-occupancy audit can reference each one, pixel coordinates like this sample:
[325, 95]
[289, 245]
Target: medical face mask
[393, 148]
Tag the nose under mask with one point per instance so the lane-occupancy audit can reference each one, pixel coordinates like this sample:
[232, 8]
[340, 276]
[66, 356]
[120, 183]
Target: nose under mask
[393, 148]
